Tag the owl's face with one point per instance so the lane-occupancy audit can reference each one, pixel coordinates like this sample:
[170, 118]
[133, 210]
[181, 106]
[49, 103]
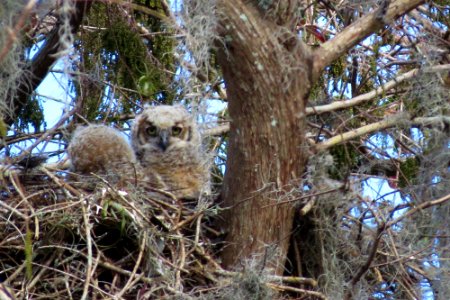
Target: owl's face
[163, 129]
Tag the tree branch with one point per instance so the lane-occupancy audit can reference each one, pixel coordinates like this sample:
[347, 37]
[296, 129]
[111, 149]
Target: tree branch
[12, 36]
[359, 30]
[419, 208]
[36, 71]
[396, 120]
[337, 105]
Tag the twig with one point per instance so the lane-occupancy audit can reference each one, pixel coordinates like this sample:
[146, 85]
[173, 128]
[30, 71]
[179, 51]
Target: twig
[59, 182]
[48, 133]
[87, 229]
[419, 208]
[216, 131]
[357, 31]
[364, 268]
[187, 220]
[400, 119]
[337, 105]
[71, 275]
[132, 276]
[296, 290]
[12, 36]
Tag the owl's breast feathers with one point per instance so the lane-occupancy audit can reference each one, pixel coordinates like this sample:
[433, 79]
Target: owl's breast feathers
[183, 178]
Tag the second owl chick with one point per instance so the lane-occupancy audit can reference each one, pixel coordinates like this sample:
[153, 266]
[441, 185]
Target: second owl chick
[167, 144]
[102, 150]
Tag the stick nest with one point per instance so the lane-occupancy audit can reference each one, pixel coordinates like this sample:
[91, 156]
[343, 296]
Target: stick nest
[67, 240]
[85, 238]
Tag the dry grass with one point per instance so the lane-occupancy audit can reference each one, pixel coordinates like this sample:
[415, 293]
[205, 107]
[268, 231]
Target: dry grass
[64, 241]
[68, 239]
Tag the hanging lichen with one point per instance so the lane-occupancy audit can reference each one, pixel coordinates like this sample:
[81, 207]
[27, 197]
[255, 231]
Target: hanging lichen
[119, 67]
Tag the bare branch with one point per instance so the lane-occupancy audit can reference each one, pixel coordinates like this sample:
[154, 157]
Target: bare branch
[359, 30]
[12, 37]
[397, 120]
[419, 208]
[364, 268]
[337, 105]
[217, 130]
[37, 70]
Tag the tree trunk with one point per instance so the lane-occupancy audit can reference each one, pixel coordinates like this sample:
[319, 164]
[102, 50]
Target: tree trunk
[267, 70]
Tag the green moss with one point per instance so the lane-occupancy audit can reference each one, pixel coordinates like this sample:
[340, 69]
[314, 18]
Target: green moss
[3, 128]
[117, 58]
[31, 113]
[409, 169]
[346, 159]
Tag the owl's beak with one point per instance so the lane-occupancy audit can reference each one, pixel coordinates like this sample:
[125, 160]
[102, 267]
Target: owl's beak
[163, 139]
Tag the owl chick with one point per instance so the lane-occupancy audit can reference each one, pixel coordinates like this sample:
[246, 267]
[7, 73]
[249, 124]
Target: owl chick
[102, 150]
[167, 144]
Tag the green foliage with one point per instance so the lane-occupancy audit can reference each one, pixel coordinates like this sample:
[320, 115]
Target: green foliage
[32, 113]
[137, 69]
[345, 159]
[125, 52]
[409, 169]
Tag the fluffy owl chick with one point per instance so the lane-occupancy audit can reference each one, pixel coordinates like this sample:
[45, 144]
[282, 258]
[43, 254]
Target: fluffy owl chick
[102, 150]
[167, 144]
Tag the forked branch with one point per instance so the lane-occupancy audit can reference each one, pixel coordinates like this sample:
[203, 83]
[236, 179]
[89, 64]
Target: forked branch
[359, 30]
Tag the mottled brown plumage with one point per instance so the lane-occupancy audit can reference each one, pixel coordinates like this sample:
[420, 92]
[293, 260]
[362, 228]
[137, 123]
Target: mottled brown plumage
[102, 150]
[166, 152]
[167, 144]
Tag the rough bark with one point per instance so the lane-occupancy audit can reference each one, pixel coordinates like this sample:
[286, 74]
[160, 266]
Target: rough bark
[267, 71]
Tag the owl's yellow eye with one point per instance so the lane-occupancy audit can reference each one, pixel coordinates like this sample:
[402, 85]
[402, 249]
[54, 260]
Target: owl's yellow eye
[151, 130]
[176, 131]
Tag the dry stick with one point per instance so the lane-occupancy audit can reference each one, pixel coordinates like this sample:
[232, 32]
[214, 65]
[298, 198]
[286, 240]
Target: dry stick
[289, 279]
[364, 268]
[187, 220]
[46, 134]
[89, 249]
[358, 30]
[12, 36]
[217, 130]
[13, 210]
[296, 290]
[131, 279]
[407, 285]
[56, 207]
[73, 277]
[391, 121]
[182, 262]
[418, 208]
[405, 258]
[38, 276]
[197, 231]
[59, 182]
[24, 198]
[337, 105]
[94, 269]
[409, 290]
[16, 273]
[107, 265]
